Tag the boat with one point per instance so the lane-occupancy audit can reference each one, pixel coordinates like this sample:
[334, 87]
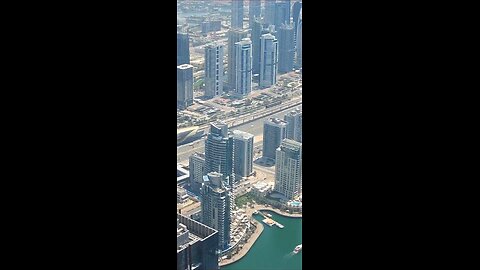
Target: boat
[280, 225]
[297, 249]
[268, 215]
[255, 212]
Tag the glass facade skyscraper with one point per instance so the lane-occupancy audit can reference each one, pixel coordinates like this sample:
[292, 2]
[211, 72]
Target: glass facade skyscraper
[268, 60]
[269, 17]
[243, 153]
[219, 151]
[297, 6]
[216, 207]
[299, 41]
[274, 131]
[254, 10]
[294, 125]
[258, 29]
[286, 49]
[184, 86]
[234, 36]
[243, 54]
[282, 14]
[183, 49]
[237, 14]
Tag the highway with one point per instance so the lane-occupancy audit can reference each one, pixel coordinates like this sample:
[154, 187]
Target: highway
[255, 127]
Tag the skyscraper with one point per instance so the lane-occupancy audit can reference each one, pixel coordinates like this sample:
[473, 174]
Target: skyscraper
[243, 53]
[282, 13]
[184, 86]
[288, 169]
[297, 6]
[288, 5]
[219, 151]
[294, 125]
[234, 36]
[258, 29]
[254, 11]
[243, 153]
[269, 17]
[213, 70]
[197, 245]
[183, 50]
[216, 208]
[197, 171]
[299, 40]
[268, 60]
[286, 50]
[274, 131]
[237, 14]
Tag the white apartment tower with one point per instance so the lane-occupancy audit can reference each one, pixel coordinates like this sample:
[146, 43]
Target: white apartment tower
[288, 169]
[214, 70]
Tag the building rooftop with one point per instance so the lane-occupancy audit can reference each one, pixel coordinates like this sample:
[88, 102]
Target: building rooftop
[190, 231]
[182, 173]
[181, 190]
[242, 134]
[268, 36]
[277, 121]
[198, 154]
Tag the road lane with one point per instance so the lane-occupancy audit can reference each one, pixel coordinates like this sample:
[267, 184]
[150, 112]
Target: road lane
[255, 127]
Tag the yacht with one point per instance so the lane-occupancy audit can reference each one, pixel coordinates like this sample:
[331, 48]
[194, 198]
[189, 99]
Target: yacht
[297, 249]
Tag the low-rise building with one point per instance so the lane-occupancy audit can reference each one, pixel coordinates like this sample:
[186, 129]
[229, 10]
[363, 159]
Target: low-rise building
[262, 188]
[182, 195]
[183, 175]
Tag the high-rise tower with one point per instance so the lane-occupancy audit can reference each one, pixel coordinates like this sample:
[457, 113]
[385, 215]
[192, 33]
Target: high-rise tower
[268, 60]
[288, 169]
[243, 54]
[183, 50]
[274, 131]
[237, 14]
[184, 86]
[213, 70]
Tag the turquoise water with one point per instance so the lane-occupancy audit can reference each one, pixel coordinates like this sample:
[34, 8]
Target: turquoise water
[273, 249]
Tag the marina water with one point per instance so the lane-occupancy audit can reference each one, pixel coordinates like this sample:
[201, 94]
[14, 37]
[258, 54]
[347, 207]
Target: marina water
[273, 250]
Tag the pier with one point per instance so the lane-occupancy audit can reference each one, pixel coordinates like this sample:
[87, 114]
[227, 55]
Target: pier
[269, 221]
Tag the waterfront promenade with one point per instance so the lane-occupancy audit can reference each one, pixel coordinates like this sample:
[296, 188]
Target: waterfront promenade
[249, 243]
[258, 231]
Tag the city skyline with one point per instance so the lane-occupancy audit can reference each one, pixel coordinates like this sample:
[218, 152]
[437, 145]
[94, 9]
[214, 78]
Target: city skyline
[239, 123]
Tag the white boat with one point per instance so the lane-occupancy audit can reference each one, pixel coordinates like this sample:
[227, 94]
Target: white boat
[268, 215]
[255, 212]
[297, 249]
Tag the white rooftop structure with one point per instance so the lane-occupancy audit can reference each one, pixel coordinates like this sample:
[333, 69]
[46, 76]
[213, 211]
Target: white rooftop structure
[182, 173]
